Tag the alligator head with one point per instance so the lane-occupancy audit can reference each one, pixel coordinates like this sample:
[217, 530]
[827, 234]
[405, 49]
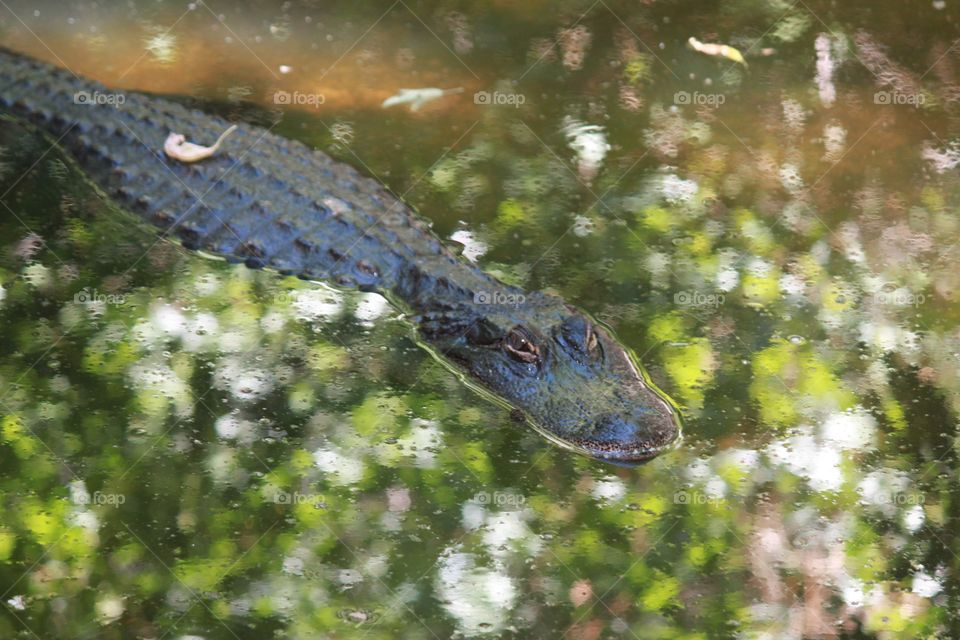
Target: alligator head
[557, 368]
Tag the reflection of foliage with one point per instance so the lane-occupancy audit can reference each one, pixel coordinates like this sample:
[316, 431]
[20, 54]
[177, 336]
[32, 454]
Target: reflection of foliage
[689, 362]
[790, 377]
[792, 27]
[638, 69]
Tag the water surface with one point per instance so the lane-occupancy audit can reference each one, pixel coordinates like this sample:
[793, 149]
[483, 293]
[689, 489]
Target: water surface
[193, 449]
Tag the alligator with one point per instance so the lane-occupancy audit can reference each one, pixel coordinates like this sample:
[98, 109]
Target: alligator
[270, 202]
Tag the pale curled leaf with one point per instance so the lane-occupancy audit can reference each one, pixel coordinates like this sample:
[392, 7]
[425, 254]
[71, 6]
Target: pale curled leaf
[177, 147]
[416, 98]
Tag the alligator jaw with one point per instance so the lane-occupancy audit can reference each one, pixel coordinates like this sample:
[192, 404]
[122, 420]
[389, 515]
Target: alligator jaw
[627, 452]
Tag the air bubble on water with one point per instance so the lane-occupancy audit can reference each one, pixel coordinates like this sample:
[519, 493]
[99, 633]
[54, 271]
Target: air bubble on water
[797, 339]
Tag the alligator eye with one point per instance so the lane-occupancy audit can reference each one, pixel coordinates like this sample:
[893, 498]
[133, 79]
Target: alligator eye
[519, 344]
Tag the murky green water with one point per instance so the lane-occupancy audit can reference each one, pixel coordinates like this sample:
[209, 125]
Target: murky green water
[191, 449]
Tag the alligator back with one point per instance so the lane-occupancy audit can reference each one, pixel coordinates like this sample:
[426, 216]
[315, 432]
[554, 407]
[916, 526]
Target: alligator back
[263, 200]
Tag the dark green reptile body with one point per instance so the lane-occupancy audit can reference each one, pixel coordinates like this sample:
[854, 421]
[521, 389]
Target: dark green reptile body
[263, 200]
[271, 202]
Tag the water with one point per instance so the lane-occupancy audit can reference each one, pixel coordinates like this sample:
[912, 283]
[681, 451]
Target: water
[192, 449]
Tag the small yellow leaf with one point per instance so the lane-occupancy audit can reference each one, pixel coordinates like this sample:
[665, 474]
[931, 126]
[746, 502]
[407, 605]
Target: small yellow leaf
[717, 50]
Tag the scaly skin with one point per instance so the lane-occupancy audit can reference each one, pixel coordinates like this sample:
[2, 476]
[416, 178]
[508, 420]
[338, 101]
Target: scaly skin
[271, 202]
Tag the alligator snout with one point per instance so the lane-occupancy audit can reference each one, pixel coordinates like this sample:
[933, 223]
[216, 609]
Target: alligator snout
[634, 437]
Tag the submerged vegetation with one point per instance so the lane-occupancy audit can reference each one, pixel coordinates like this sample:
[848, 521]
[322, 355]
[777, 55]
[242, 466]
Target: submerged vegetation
[193, 449]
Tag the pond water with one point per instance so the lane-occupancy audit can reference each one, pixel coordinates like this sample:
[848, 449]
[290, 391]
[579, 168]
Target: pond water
[197, 450]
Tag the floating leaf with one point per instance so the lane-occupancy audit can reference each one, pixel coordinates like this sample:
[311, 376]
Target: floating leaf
[717, 50]
[416, 98]
[178, 148]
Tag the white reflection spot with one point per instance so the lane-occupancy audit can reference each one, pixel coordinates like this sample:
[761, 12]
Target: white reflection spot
[925, 586]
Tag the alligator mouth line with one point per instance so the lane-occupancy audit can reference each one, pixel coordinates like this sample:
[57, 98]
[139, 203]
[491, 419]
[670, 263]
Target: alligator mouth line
[633, 457]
